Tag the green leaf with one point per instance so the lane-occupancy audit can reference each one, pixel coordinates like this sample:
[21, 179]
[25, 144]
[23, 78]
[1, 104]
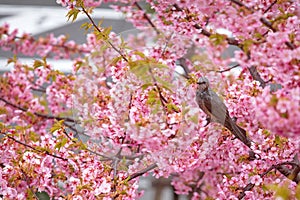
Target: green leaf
[61, 143]
[115, 60]
[30, 114]
[161, 66]
[100, 23]
[140, 68]
[184, 109]
[86, 26]
[277, 140]
[217, 39]
[139, 53]
[79, 3]
[172, 107]
[274, 100]
[164, 83]
[3, 110]
[34, 136]
[146, 85]
[194, 119]
[58, 125]
[246, 45]
[72, 14]
[2, 126]
[37, 64]
[14, 59]
[107, 31]
[298, 192]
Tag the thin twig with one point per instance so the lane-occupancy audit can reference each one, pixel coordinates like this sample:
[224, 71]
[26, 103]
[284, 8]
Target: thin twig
[256, 76]
[140, 173]
[27, 180]
[239, 3]
[270, 6]
[294, 172]
[98, 29]
[32, 148]
[267, 23]
[231, 41]
[264, 21]
[39, 114]
[248, 187]
[161, 97]
[38, 90]
[166, 44]
[228, 69]
[98, 154]
[147, 18]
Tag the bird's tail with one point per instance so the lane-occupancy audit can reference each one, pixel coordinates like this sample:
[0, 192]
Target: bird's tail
[238, 132]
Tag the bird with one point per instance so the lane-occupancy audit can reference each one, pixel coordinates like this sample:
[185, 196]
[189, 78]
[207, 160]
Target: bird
[215, 109]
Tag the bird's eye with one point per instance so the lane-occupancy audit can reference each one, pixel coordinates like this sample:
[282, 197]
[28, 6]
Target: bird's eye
[199, 83]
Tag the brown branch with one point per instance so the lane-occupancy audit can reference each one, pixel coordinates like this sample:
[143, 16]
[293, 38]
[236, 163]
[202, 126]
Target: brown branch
[267, 23]
[264, 21]
[27, 180]
[292, 174]
[140, 173]
[101, 155]
[248, 187]
[32, 148]
[98, 29]
[166, 45]
[38, 89]
[270, 6]
[231, 41]
[237, 2]
[147, 18]
[39, 114]
[228, 69]
[256, 76]
[290, 45]
[161, 97]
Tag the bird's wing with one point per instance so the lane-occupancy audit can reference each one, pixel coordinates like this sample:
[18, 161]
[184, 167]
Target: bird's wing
[204, 103]
[220, 112]
[216, 107]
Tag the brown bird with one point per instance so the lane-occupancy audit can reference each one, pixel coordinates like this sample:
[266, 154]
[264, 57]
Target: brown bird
[216, 110]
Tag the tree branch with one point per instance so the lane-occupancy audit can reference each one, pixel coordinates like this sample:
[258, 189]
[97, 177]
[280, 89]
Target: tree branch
[267, 23]
[264, 21]
[292, 174]
[231, 41]
[147, 18]
[39, 114]
[98, 29]
[270, 6]
[256, 76]
[32, 148]
[248, 187]
[228, 69]
[140, 173]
